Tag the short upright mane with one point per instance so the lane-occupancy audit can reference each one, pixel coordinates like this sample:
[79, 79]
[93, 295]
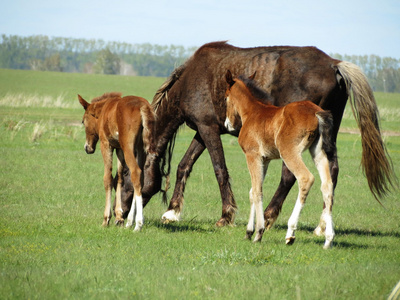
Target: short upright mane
[255, 90]
[107, 95]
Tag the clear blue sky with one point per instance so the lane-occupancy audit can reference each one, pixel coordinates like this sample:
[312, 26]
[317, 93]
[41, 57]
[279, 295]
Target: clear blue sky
[356, 27]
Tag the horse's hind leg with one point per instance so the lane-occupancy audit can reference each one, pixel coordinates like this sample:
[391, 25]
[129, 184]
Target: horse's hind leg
[194, 151]
[305, 181]
[137, 202]
[119, 220]
[273, 209]
[107, 153]
[326, 223]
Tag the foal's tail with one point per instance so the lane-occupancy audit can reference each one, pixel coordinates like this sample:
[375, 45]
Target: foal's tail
[148, 123]
[325, 128]
[376, 163]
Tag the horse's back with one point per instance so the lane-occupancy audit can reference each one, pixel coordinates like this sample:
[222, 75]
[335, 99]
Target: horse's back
[287, 73]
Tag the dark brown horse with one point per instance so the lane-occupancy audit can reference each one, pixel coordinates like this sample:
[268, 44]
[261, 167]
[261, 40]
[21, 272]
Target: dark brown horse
[194, 94]
[270, 132]
[124, 124]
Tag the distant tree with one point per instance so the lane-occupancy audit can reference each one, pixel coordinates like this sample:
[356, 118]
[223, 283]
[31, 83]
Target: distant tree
[107, 62]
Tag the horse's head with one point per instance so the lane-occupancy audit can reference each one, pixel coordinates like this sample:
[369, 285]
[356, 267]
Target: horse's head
[90, 118]
[233, 123]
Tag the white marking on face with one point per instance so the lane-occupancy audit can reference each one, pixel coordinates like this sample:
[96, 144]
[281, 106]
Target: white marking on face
[228, 125]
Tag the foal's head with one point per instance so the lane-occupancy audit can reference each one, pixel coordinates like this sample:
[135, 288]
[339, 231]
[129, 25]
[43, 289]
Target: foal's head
[235, 90]
[90, 118]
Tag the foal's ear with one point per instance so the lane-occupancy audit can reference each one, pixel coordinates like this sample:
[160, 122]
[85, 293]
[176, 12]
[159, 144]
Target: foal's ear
[229, 78]
[83, 102]
[253, 76]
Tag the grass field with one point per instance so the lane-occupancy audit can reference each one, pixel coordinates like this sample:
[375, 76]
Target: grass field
[52, 245]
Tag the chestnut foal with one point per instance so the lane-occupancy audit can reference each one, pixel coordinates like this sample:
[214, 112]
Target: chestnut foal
[269, 132]
[126, 125]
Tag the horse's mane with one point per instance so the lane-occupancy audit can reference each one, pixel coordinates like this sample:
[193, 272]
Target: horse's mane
[162, 93]
[255, 90]
[160, 103]
[107, 95]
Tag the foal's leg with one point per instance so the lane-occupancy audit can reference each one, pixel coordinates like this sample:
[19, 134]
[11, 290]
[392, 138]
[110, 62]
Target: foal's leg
[137, 202]
[273, 209]
[305, 181]
[119, 220]
[326, 222]
[107, 153]
[194, 151]
[257, 171]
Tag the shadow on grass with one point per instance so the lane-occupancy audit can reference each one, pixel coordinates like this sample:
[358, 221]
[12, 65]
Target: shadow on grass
[343, 232]
[346, 231]
[184, 226]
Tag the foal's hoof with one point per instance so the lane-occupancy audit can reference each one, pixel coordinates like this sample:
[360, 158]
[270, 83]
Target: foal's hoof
[248, 235]
[319, 231]
[119, 222]
[290, 240]
[105, 223]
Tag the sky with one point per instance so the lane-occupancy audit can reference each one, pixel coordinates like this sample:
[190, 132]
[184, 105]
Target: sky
[352, 27]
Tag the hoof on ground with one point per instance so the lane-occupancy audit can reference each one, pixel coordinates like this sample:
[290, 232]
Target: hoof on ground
[318, 231]
[170, 217]
[119, 223]
[290, 240]
[222, 222]
[248, 235]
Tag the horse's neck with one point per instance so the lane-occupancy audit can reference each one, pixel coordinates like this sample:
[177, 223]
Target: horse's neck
[248, 105]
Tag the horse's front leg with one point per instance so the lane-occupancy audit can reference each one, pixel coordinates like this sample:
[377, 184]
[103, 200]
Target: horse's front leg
[107, 153]
[210, 136]
[119, 220]
[185, 166]
[273, 209]
[257, 169]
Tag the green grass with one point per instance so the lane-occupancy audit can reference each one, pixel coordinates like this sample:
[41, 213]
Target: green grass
[52, 244]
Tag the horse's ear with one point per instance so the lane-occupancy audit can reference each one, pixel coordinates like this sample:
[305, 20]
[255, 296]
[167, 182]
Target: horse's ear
[229, 78]
[253, 76]
[83, 102]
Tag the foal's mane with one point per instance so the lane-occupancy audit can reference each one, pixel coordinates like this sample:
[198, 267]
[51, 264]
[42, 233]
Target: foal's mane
[106, 96]
[255, 90]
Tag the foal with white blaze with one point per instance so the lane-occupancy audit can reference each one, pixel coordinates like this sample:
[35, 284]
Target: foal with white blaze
[126, 125]
[270, 132]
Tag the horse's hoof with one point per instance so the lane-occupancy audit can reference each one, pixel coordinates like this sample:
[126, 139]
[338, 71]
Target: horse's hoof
[119, 222]
[221, 223]
[327, 245]
[269, 222]
[318, 231]
[105, 223]
[257, 240]
[129, 223]
[170, 217]
[290, 240]
[248, 235]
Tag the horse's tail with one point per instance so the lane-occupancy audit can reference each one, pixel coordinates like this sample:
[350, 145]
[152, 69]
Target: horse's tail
[376, 163]
[325, 128]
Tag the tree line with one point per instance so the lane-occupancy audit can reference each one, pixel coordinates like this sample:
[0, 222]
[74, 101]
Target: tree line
[60, 54]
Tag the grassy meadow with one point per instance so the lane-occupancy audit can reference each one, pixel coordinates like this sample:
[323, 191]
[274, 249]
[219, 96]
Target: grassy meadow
[52, 245]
